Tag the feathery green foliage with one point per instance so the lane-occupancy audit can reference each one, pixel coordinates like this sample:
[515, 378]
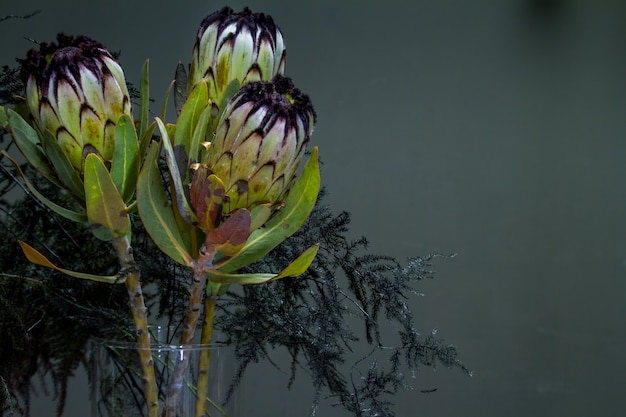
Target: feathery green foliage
[311, 315]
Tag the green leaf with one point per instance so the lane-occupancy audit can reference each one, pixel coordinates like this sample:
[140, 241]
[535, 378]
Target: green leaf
[27, 141]
[145, 140]
[156, 212]
[125, 164]
[36, 257]
[199, 135]
[300, 264]
[68, 214]
[62, 166]
[195, 104]
[144, 98]
[166, 100]
[298, 205]
[3, 117]
[297, 267]
[106, 210]
[182, 204]
[222, 278]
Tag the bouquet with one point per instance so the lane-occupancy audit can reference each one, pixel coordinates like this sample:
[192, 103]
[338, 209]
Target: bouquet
[219, 191]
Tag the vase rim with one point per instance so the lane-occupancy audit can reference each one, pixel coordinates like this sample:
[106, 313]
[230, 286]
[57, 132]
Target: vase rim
[129, 344]
[161, 338]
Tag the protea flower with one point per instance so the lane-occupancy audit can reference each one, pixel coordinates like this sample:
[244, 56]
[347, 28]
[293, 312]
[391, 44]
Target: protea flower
[76, 90]
[230, 46]
[260, 140]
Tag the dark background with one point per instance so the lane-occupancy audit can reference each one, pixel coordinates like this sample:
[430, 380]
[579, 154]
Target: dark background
[491, 129]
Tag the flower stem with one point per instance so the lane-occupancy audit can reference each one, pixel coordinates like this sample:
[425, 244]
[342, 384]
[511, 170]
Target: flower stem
[196, 295]
[138, 309]
[205, 355]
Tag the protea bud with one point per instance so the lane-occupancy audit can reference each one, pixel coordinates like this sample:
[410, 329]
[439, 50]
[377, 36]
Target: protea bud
[76, 90]
[260, 140]
[230, 46]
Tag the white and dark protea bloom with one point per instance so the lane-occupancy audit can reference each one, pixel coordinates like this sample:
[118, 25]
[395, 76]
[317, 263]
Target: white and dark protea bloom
[260, 141]
[242, 46]
[76, 90]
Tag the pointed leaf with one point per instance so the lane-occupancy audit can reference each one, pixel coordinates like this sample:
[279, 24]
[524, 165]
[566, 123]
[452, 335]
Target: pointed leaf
[145, 139]
[217, 277]
[297, 267]
[156, 212]
[300, 264]
[298, 205]
[144, 98]
[199, 135]
[166, 101]
[68, 214]
[36, 257]
[62, 166]
[27, 141]
[184, 208]
[125, 164]
[191, 235]
[3, 117]
[106, 210]
[195, 104]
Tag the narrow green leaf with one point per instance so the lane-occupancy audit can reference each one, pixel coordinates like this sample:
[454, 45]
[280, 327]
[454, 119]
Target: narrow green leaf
[192, 236]
[297, 267]
[222, 278]
[4, 120]
[298, 205]
[125, 164]
[199, 135]
[182, 204]
[68, 214]
[36, 257]
[195, 104]
[145, 139]
[166, 100]
[106, 210]
[144, 98]
[156, 212]
[62, 166]
[27, 141]
[300, 264]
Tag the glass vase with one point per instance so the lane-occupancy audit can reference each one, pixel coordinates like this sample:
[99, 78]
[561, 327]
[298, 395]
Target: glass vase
[117, 388]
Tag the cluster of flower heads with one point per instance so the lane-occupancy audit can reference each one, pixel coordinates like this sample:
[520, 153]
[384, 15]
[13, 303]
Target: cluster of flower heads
[264, 128]
[260, 123]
